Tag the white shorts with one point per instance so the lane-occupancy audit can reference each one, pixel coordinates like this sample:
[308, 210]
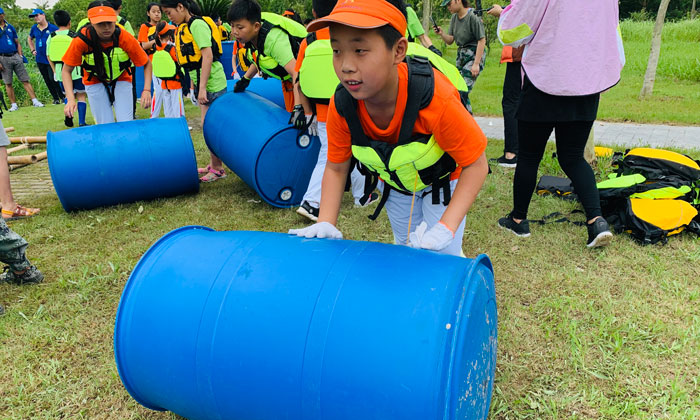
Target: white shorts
[103, 111]
[398, 208]
[173, 107]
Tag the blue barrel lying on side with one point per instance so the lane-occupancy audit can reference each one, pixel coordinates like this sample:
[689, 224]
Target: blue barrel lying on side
[251, 135]
[107, 164]
[272, 326]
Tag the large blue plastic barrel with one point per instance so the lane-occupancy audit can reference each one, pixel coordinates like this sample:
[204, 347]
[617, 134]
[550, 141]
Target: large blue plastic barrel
[108, 164]
[271, 326]
[252, 136]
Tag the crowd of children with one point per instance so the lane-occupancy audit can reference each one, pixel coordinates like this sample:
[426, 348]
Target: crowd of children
[390, 114]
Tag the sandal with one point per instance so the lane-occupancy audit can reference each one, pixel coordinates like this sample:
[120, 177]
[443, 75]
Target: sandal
[20, 212]
[213, 175]
[204, 170]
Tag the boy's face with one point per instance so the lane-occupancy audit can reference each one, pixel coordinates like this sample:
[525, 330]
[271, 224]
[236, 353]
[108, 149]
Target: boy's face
[105, 30]
[244, 30]
[362, 61]
[453, 7]
[177, 14]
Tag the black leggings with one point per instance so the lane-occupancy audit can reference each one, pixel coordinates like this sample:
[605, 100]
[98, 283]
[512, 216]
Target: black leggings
[54, 87]
[571, 139]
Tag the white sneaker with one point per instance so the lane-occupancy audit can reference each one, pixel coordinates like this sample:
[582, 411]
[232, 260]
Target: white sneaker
[36, 103]
[14, 107]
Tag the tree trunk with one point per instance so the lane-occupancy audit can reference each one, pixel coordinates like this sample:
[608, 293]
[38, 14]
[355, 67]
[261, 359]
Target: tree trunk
[650, 75]
[693, 11]
[427, 11]
[589, 151]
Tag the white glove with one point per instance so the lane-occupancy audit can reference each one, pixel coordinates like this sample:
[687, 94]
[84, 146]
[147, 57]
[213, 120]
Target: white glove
[311, 125]
[318, 230]
[435, 239]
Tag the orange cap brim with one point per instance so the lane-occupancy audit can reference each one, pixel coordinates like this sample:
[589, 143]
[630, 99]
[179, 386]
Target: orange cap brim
[354, 20]
[100, 19]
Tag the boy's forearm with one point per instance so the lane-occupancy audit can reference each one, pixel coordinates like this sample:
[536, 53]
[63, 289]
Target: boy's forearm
[468, 186]
[332, 188]
[252, 70]
[449, 39]
[147, 74]
[30, 42]
[207, 59]
[480, 46]
[289, 67]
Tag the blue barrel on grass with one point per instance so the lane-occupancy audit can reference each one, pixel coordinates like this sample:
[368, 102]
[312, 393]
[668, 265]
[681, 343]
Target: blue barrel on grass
[252, 136]
[272, 326]
[107, 164]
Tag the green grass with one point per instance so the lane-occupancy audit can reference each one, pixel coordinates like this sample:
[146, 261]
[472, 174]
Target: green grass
[676, 98]
[612, 333]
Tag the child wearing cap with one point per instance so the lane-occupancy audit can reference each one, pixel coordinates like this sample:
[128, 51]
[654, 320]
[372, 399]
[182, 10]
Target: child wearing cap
[403, 121]
[108, 82]
[56, 47]
[275, 41]
[168, 72]
[37, 41]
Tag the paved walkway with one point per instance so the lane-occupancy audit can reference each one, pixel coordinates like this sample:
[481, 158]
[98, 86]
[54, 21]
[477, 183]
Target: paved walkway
[621, 134]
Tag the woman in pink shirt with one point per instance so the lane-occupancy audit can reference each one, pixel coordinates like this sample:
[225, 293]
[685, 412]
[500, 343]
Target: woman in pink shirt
[573, 52]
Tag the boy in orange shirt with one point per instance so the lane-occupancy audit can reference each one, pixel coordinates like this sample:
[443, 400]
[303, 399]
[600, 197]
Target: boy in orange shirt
[106, 87]
[384, 116]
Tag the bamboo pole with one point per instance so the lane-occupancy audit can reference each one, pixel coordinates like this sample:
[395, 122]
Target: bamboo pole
[26, 159]
[18, 148]
[9, 129]
[28, 139]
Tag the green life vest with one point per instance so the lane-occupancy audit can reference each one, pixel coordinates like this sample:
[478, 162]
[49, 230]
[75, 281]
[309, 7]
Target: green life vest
[271, 68]
[57, 48]
[414, 162]
[59, 45]
[445, 67]
[164, 67]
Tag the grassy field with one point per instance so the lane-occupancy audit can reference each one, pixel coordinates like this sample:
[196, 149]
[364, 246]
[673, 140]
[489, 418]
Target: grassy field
[612, 333]
[676, 97]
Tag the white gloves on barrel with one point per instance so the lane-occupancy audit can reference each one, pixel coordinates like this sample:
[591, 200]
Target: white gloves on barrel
[435, 239]
[311, 125]
[318, 230]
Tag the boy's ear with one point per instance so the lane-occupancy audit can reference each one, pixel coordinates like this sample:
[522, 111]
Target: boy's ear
[257, 26]
[400, 50]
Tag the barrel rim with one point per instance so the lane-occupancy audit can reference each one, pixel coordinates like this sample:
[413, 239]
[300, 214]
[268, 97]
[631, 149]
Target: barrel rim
[457, 339]
[127, 288]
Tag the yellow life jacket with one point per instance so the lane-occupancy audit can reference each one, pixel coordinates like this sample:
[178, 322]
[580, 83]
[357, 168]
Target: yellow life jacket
[414, 162]
[269, 67]
[188, 52]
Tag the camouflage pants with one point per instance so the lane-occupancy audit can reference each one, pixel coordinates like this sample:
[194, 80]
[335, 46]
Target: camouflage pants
[464, 63]
[12, 247]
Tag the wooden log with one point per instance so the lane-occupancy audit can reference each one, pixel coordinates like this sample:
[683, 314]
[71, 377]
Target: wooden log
[26, 159]
[9, 129]
[28, 139]
[18, 148]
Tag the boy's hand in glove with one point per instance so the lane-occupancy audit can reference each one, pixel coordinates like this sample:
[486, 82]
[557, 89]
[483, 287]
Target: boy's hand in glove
[241, 85]
[312, 125]
[437, 238]
[297, 117]
[318, 230]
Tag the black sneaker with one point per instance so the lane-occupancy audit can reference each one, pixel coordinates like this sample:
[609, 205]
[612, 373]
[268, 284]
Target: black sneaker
[30, 276]
[521, 229]
[2, 310]
[56, 102]
[370, 199]
[599, 233]
[309, 211]
[506, 163]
